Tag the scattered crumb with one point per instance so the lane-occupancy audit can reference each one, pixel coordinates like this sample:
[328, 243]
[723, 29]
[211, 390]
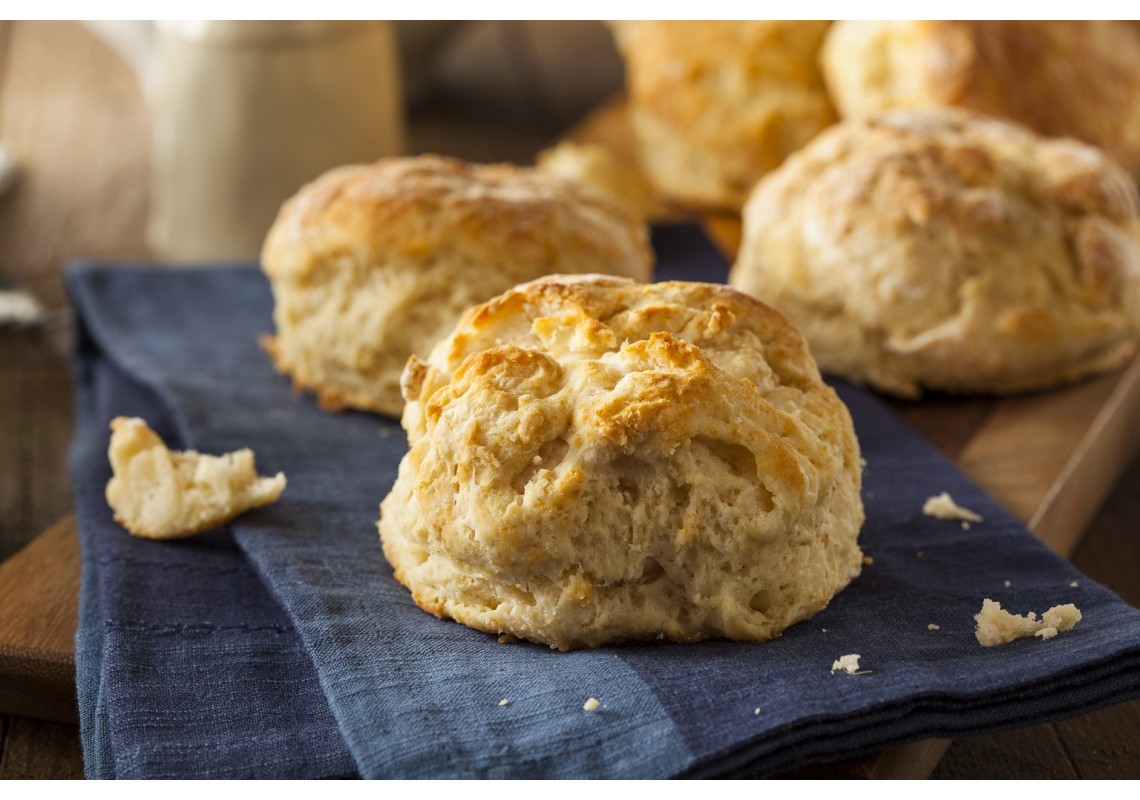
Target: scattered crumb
[868, 561]
[18, 308]
[1007, 584]
[824, 630]
[507, 638]
[965, 525]
[996, 626]
[943, 507]
[1074, 585]
[756, 711]
[849, 664]
[918, 554]
[505, 702]
[158, 493]
[591, 704]
[932, 627]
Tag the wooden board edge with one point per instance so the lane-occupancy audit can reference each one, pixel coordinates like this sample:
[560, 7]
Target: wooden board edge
[1108, 447]
[37, 651]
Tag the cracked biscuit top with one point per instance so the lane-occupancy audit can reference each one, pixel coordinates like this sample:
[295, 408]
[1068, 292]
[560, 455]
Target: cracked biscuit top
[946, 250]
[595, 460]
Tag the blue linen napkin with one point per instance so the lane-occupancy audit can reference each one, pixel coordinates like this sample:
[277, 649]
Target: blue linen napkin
[185, 665]
[168, 631]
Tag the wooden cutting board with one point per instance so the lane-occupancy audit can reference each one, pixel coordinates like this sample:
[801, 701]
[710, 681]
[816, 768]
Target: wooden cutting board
[39, 598]
[1051, 458]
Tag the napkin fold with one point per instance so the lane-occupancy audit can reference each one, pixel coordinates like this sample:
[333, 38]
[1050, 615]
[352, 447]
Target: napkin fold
[281, 646]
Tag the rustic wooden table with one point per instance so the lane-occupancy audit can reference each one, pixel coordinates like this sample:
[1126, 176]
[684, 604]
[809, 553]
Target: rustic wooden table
[77, 121]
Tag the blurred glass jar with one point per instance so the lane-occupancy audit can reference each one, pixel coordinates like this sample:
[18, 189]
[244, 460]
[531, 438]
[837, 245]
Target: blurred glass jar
[244, 113]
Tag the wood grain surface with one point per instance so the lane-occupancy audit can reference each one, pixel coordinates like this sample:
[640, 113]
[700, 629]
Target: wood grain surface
[76, 120]
[39, 590]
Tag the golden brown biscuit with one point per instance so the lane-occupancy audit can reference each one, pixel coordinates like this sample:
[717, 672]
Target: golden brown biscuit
[1079, 79]
[595, 460]
[718, 104]
[370, 264]
[601, 168]
[947, 250]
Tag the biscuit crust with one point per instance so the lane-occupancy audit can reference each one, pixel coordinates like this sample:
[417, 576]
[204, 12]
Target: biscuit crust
[372, 263]
[1068, 78]
[594, 460]
[717, 104]
[945, 250]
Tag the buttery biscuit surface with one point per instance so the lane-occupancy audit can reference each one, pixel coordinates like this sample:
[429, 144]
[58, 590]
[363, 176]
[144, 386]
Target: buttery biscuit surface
[595, 460]
[942, 249]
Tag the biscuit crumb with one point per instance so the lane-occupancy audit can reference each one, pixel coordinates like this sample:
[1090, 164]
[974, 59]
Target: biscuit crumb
[1074, 585]
[918, 554]
[507, 638]
[996, 626]
[591, 704]
[942, 506]
[965, 525]
[157, 493]
[849, 664]
[756, 711]
[505, 702]
[868, 561]
[932, 627]
[1007, 584]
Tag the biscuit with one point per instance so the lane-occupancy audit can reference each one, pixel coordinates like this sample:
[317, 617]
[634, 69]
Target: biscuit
[1071, 78]
[159, 494]
[595, 460]
[947, 250]
[717, 104]
[372, 263]
[603, 169]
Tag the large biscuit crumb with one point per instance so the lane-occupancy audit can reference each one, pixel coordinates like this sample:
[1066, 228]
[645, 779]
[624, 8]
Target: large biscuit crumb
[849, 664]
[996, 626]
[160, 494]
[943, 506]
